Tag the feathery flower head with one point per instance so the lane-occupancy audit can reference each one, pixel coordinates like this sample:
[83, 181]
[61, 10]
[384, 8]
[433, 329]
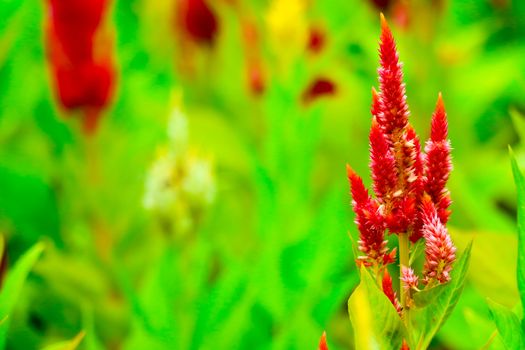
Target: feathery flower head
[408, 278]
[411, 197]
[389, 291]
[371, 224]
[438, 162]
[440, 253]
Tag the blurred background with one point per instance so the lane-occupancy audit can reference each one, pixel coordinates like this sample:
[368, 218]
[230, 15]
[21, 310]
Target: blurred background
[183, 163]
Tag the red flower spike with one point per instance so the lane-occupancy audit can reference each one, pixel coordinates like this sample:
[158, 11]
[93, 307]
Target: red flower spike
[382, 163]
[394, 109]
[358, 190]
[404, 346]
[438, 162]
[439, 124]
[322, 342]
[440, 253]
[370, 223]
[389, 291]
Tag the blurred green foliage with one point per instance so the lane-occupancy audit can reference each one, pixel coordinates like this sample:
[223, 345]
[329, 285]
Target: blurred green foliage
[269, 263]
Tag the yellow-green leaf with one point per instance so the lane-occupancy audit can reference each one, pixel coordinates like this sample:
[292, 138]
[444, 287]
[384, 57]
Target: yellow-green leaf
[375, 321]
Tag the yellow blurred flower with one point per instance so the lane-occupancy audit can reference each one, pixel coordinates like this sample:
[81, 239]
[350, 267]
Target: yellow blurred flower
[287, 28]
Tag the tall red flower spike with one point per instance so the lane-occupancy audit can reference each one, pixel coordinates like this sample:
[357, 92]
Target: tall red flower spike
[322, 342]
[80, 57]
[411, 198]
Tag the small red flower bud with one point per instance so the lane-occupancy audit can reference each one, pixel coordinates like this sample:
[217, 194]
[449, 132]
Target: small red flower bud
[389, 291]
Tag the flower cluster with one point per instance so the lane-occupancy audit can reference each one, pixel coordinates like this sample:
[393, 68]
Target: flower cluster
[180, 185]
[79, 49]
[410, 195]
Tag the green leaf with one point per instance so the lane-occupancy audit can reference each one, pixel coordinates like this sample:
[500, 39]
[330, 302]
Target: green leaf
[376, 323]
[13, 285]
[520, 186]
[68, 344]
[508, 326]
[437, 303]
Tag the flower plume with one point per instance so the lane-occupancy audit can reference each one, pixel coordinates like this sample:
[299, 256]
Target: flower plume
[409, 197]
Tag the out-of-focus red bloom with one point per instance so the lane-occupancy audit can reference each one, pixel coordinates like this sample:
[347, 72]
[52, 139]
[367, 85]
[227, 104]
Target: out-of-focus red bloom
[440, 253]
[321, 86]
[381, 4]
[389, 291]
[197, 21]
[80, 61]
[322, 342]
[254, 66]
[404, 346]
[316, 40]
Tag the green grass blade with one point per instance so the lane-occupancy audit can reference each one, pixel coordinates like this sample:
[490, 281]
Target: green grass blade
[520, 186]
[13, 285]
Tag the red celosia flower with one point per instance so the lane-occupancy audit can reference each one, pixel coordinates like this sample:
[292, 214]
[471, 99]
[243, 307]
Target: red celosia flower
[322, 342]
[440, 253]
[438, 163]
[197, 20]
[389, 291]
[408, 278]
[404, 346]
[83, 79]
[402, 176]
[319, 87]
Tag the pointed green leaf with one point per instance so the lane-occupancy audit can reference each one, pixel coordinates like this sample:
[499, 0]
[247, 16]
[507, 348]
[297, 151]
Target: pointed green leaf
[13, 285]
[436, 304]
[68, 344]
[508, 326]
[375, 321]
[520, 186]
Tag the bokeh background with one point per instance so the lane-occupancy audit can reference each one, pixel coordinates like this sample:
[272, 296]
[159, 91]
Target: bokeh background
[209, 207]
